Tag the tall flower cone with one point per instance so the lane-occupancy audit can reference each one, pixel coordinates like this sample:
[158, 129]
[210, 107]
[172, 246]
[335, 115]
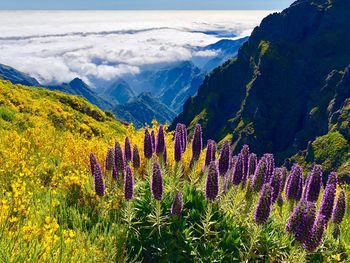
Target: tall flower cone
[313, 186]
[263, 208]
[212, 182]
[245, 156]
[339, 208]
[98, 180]
[177, 148]
[157, 185]
[196, 143]
[127, 150]
[109, 159]
[259, 175]
[177, 205]
[153, 140]
[119, 158]
[252, 163]
[128, 184]
[93, 162]
[136, 160]
[147, 145]
[160, 143]
[224, 159]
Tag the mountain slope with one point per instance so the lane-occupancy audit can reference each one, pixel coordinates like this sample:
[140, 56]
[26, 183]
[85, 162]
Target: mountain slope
[23, 109]
[263, 97]
[79, 87]
[143, 109]
[331, 116]
[226, 49]
[119, 92]
[17, 77]
[174, 85]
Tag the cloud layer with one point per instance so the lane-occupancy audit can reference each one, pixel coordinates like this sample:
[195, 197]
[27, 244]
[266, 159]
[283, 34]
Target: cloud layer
[56, 47]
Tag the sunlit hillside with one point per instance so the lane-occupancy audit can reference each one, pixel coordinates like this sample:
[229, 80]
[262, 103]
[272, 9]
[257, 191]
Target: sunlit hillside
[74, 189]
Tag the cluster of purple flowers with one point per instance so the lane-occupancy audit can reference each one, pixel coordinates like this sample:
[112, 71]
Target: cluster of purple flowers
[294, 184]
[117, 163]
[306, 223]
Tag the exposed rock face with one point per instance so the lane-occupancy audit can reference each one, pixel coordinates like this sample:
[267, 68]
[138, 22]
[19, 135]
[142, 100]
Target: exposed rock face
[281, 91]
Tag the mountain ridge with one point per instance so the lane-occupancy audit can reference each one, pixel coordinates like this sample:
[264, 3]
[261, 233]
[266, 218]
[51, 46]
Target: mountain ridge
[269, 87]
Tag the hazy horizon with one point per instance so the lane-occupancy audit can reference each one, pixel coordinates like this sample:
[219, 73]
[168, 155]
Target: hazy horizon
[102, 45]
[144, 5]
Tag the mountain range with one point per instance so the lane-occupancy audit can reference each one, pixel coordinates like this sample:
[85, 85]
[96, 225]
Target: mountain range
[283, 89]
[160, 92]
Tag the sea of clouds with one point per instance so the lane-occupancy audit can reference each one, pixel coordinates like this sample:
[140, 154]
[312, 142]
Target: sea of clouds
[57, 46]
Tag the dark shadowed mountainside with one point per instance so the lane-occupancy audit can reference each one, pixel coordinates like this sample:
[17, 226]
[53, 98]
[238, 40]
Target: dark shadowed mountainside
[271, 96]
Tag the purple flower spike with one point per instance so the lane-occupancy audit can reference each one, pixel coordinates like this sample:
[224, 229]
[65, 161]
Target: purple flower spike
[212, 182]
[332, 179]
[263, 208]
[300, 188]
[245, 156]
[284, 178]
[177, 148]
[327, 203]
[259, 175]
[275, 182]
[165, 156]
[93, 162]
[184, 137]
[109, 159]
[118, 157]
[129, 184]
[153, 139]
[270, 166]
[197, 142]
[296, 217]
[177, 205]
[179, 130]
[127, 150]
[315, 237]
[157, 182]
[224, 159]
[302, 220]
[237, 175]
[98, 179]
[294, 183]
[160, 144]
[339, 209]
[252, 162]
[208, 154]
[313, 186]
[147, 145]
[136, 161]
[213, 151]
[115, 173]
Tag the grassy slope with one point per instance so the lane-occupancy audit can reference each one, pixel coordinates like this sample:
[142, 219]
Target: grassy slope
[45, 140]
[49, 211]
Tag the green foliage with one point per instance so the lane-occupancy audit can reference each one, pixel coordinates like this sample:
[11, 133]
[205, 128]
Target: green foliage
[331, 150]
[6, 113]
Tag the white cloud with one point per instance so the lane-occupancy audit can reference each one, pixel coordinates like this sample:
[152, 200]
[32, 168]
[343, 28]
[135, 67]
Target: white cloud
[55, 47]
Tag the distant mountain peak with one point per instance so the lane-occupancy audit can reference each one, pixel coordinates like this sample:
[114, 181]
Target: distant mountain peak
[78, 83]
[119, 92]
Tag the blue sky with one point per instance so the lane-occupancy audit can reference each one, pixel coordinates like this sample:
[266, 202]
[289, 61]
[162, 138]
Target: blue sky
[145, 4]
